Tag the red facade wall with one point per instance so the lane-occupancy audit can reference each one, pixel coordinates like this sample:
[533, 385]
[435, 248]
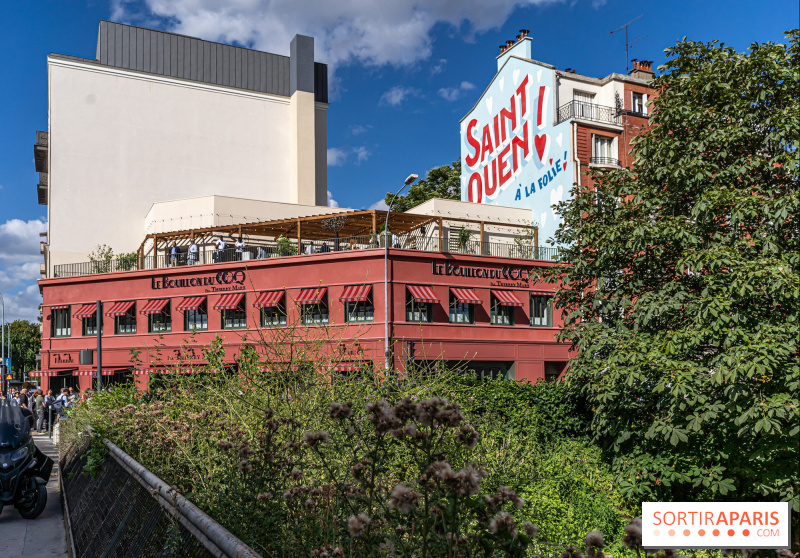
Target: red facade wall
[529, 348]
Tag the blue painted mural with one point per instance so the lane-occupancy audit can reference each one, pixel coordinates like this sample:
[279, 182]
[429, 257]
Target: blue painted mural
[512, 153]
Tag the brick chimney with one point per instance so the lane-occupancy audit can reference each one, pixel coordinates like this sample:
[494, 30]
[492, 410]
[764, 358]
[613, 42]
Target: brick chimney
[520, 46]
[642, 69]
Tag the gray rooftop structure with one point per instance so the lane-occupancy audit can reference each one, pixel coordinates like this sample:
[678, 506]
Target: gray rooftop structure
[169, 54]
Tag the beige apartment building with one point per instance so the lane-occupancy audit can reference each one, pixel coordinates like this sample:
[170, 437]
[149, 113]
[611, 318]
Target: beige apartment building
[159, 120]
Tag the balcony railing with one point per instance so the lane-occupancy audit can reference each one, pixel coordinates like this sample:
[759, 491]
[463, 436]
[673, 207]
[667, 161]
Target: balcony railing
[588, 111]
[607, 161]
[289, 248]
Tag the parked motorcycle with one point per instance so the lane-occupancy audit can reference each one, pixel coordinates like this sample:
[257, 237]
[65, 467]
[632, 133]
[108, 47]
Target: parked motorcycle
[24, 469]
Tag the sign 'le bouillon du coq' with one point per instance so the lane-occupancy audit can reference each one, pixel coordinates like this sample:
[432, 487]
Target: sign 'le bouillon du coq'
[512, 152]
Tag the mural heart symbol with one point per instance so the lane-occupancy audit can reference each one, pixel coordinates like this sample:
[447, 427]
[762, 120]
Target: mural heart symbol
[559, 139]
[539, 76]
[489, 102]
[515, 76]
[544, 219]
[556, 194]
[540, 142]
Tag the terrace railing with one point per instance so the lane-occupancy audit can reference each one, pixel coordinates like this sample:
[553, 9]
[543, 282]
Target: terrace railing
[588, 111]
[289, 247]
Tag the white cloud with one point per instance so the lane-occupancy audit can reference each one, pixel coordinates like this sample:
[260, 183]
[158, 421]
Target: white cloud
[455, 93]
[363, 32]
[332, 202]
[380, 204]
[336, 157]
[23, 305]
[439, 67]
[19, 240]
[361, 154]
[356, 130]
[397, 94]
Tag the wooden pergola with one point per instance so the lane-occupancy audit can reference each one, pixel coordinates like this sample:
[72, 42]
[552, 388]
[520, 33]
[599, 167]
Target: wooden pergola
[316, 227]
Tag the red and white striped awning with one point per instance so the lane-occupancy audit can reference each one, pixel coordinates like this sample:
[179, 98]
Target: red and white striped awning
[349, 366]
[543, 293]
[190, 303]
[268, 299]
[42, 373]
[422, 293]
[93, 372]
[154, 306]
[85, 311]
[507, 298]
[355, 293]
[311, 296]
[120, 308]
[465, 296]
[59, 307]
[229, 301]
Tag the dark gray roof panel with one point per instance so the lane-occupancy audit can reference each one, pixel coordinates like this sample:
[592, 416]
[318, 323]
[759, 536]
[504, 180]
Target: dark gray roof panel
[169, 54]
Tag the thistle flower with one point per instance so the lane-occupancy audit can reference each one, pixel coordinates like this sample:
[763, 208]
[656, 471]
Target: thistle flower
[505, 494]
[341, 412]
[425, 411]
[467, 481]
[224, 445]
[468, 436]
[297, 474]
[382, 416]
[313, 438]
[359, 468]
[245, 466]
[530, 529]
[571, 552]
[633, 534]
[244, 450]
[264, 496]
[503, 523]
[405, 409]
[356, 524]
[337, 553]
[403, 499]
[439, 470]
[594, 542]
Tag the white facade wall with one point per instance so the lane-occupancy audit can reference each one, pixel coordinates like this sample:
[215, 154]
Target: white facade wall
[121, 141]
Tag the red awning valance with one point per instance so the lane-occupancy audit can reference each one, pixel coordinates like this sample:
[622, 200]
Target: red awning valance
[465, 296]
[85, 311]
[229, 301]
[507, 298]
[269, 299]
[151, 371]
[190, 303]
[355, 293]
[109, 372]
[59, 307]
[311, 296]
[543, 293]
[119, 308]
[349, 366]
[154, 306]
[422, 293]
[42, 373]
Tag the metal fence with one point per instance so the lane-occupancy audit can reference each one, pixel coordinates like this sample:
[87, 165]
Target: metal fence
[588, 111]
[416, 240]
[126, 511]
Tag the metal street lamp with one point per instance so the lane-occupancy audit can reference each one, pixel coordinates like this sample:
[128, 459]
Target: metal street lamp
[386, 354]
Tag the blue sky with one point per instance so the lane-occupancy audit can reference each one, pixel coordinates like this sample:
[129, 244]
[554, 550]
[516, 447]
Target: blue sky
[404, 73]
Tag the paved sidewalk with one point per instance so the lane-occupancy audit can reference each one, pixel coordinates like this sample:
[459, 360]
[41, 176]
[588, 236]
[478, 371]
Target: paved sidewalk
[41, 537]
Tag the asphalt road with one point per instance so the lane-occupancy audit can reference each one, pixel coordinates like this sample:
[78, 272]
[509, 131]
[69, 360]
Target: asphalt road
[41, 537]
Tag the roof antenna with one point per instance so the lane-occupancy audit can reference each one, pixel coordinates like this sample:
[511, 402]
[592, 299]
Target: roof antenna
[628, 44]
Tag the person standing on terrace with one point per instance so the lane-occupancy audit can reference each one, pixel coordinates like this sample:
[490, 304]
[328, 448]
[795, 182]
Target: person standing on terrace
[239, 248]
[173, 254]
[191, 256]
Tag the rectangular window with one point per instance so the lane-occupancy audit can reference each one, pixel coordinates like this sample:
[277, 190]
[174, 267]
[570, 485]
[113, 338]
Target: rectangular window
[235, 318]
[501, 314]
[126, 323]
[194, 320]
[89, 325]
[274, 316]
[316, 314]
[638, 101]
[604, 150]
[461, 312]
[160, 322]
[418, 311]
[60, 318]
[359, 311]
[584, 104]
[541, 311]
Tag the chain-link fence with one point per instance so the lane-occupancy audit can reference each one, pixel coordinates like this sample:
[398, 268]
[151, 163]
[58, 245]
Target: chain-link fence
[125, 511]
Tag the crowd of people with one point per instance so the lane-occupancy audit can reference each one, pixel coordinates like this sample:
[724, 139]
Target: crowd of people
[45, 407]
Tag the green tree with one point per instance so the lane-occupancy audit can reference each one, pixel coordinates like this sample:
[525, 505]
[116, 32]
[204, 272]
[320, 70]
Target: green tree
[441, 182]
[26, 342]
[682, 289]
